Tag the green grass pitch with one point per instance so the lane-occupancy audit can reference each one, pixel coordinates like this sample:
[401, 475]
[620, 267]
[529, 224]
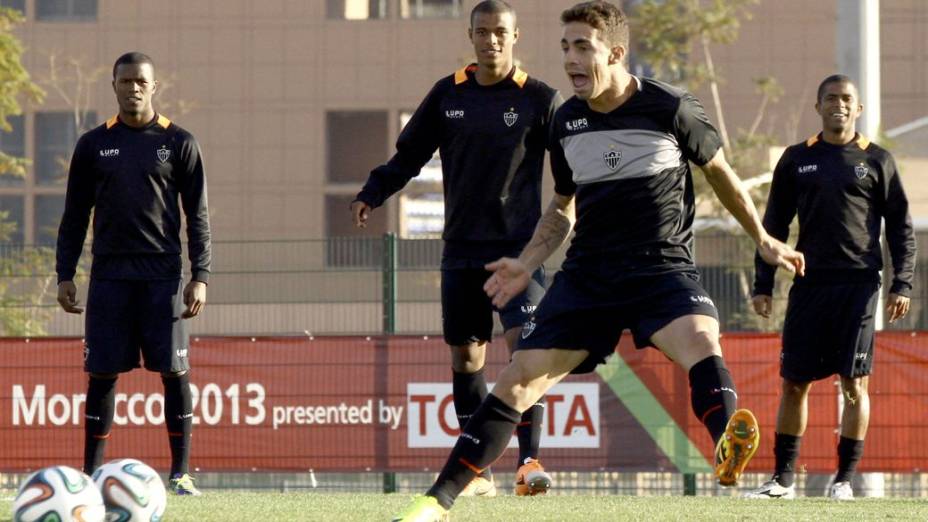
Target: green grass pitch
[311, 506]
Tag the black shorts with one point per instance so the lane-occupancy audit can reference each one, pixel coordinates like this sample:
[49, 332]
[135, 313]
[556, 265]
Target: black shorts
[576, 314]
[828, 330]
[126, 318]
[467, 313]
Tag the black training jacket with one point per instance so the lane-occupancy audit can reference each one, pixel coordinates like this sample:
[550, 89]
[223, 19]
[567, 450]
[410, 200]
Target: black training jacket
[136, 180]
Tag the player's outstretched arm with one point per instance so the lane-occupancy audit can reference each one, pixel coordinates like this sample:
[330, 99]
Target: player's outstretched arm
[735, 198]
[511, 276]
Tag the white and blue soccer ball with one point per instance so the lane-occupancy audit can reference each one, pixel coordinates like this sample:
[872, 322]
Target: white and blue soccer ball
[132, 491]
[58, 493]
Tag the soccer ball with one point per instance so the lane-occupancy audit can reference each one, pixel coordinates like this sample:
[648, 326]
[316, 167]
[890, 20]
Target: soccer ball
[58, 493]
[132, 491]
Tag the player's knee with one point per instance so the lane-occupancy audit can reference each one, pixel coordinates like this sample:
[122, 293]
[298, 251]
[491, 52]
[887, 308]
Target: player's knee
[468, 358]
[173, 375]
[795, 390]
[518, 384]
[704, 344]
[854, 391]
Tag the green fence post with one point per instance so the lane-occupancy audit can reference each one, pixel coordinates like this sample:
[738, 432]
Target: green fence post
[689, 484]
[389, 325]
[389, 283]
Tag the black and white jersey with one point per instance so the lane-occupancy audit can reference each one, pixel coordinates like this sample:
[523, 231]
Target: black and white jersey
[492, 143]
[842, 194]
[136, 180]
[629, 170]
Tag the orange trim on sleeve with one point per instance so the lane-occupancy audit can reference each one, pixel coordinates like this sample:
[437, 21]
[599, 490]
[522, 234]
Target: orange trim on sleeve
[520, 77]
[863, 142]
[111, 122]
[163, 121]
[812, 141]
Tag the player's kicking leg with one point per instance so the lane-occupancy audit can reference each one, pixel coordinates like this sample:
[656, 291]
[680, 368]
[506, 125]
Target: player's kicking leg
[692, 341]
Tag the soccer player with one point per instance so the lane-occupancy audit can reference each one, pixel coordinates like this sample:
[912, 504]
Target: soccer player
[490, 122]
[136, 172]
[842, 186]
[619, 150]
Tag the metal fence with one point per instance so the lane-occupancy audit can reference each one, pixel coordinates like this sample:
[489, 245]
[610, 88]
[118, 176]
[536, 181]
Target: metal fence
[367, 285]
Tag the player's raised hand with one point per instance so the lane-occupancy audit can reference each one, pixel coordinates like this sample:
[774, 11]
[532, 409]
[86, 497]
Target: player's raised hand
[510, 278]
[67, 297]
[360, 211]
[778, 253]
[897, 306]
[763, 305]
[194, 298]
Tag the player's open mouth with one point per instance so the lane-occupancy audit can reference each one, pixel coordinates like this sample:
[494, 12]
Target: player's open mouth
[579, 81]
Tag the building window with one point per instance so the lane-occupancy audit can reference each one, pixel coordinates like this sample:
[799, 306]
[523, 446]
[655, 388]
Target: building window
[55, 136]
[11, 224]
[48, 211]
[357, 142]
[422, 205]
[356, 9]
[13, 144]
[19, 5]
[430, 8]
[65, 10]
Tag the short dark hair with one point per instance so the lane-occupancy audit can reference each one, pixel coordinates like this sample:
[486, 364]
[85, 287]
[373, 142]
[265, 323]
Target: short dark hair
[492, 7]
[132, 58]
[834, 78]
[608, 18]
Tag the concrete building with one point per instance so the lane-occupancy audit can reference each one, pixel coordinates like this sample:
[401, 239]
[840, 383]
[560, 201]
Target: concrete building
[293, 101]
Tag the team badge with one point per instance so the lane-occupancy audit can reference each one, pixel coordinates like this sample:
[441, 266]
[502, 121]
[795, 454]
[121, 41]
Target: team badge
[861, 171]
[164, 154]
[528, 328]
[612, 159]
[510, 117]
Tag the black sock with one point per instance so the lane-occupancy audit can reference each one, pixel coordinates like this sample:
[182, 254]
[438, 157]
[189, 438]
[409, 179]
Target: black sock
[785, 453]
[529, 432]
[482, 441]
[712, 394]
[98, 420]
[178, 417]
[849, 453]
[469, 390]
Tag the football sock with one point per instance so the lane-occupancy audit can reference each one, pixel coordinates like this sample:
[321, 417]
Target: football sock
[528, 432]
[178, 417]
[785, 453]
[98, 420]
[712, 394]
[849, 453]
[469, 390]
[482, 441]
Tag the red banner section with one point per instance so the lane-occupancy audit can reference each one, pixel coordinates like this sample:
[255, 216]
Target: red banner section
[361, 404]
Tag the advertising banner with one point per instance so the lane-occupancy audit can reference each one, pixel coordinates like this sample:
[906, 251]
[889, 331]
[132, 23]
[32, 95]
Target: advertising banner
[384, 403]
